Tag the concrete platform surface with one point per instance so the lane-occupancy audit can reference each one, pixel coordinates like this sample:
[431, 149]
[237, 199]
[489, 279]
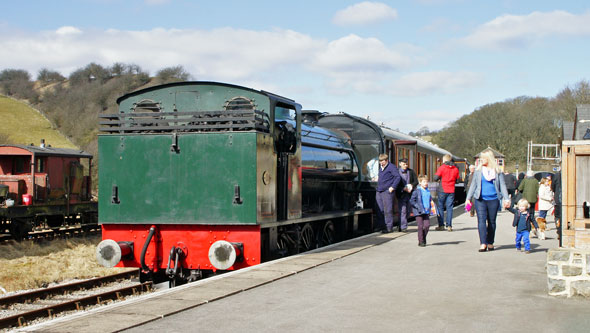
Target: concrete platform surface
[447, 286]
[380, 283]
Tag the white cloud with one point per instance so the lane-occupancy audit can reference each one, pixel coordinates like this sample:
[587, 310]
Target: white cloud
[357, 64]
[364, 13]
[222, 54]
[513, 31]
[435, 82]
[67, 30]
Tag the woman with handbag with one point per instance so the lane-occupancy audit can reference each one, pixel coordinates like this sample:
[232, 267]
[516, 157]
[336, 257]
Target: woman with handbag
[488, 192]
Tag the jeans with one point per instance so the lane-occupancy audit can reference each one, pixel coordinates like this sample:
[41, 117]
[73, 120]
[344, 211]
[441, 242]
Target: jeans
[445, 201]
[487, 210]
[385, 203]
[543, 214]
[524, 235]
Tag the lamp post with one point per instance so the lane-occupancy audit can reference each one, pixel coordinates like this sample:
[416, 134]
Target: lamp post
[516, 166]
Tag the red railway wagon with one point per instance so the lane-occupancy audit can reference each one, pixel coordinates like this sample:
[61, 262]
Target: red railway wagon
[44, 188]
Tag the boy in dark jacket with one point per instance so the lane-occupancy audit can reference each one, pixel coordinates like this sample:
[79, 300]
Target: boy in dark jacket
[522, 221]
[422, 205]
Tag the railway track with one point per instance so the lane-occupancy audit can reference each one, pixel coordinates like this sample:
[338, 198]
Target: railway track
[64, 232]
[21, 309]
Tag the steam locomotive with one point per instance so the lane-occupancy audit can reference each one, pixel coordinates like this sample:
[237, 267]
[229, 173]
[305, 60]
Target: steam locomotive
[199, 177]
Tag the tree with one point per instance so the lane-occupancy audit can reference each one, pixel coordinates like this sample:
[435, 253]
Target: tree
[17, 83]
[47, 76]
[172, 74]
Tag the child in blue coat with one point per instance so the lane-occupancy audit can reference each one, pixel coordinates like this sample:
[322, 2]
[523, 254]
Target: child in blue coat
[421, 202]
[522, 221]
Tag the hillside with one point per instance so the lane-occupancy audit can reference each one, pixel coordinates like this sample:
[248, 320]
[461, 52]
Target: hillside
[22, 124]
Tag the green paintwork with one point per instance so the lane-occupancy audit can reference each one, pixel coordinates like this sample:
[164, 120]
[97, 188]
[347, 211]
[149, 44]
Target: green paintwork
[194, 186]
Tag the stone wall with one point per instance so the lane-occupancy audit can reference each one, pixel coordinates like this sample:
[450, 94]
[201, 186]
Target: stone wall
[568, 272]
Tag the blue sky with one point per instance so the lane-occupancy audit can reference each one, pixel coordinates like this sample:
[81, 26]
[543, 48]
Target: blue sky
[407, 64]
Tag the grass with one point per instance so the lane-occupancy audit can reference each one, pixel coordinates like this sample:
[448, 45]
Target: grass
[21, 124]
[29, 265]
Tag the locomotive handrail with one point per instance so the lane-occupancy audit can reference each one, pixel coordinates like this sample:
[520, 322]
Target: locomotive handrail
[194, 121]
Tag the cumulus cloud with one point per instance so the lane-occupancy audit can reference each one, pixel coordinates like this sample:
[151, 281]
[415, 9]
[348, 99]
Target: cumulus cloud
[435, 82]
[364, 13]
[513, 31]
[358, 64]
[223, 54]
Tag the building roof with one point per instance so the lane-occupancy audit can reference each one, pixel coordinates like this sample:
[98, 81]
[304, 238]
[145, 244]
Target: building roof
[50, 151]
[567, 130]
[497, 154]
[582, 125]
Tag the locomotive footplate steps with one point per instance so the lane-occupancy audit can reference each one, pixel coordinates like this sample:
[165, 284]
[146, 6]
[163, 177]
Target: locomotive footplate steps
[147, 308]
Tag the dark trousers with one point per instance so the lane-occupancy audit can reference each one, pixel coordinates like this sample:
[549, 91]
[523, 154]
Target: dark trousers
[385, 203]
[403, 203]
[487, 210]
[423, 222]
[532, 209]
[445, 201]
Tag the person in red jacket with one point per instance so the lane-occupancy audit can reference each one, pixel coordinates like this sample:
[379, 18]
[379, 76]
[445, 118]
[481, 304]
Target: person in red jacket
[448, 174]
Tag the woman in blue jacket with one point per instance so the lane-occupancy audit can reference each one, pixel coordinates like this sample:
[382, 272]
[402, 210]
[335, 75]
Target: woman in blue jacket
[487, 190]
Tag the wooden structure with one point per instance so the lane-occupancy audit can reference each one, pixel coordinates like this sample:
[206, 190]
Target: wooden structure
[497, 155]
[576, 182]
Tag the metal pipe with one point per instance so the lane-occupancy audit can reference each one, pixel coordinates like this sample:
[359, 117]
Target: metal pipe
[144, 267]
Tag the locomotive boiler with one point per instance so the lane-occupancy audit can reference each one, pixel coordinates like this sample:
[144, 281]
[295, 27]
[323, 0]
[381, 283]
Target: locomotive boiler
[197, 177]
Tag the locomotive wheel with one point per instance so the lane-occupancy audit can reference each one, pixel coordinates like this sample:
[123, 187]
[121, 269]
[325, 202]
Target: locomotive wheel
[306, 238]
[328, 234]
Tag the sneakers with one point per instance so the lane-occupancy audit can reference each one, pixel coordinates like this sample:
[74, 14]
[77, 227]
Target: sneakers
[422, 244]
[439, 228]
[527, 252]
[449, 229]
[386, 231]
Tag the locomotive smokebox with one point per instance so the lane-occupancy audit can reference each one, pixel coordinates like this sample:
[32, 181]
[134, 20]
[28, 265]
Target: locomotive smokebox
[109, 252]
[223, 254]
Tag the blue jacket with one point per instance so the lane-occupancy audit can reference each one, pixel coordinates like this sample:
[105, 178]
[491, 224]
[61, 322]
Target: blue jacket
[417, 205]
[388, 177]
[475, 187]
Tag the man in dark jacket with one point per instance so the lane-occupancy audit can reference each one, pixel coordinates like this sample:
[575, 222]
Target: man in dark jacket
[407, 184]
[388, 181]
[448, 175]
[510, 181]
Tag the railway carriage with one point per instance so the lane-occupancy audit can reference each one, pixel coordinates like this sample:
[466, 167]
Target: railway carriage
[43, 189]
[369, 140]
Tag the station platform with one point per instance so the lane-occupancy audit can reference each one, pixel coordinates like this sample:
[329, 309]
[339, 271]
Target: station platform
[376, 283]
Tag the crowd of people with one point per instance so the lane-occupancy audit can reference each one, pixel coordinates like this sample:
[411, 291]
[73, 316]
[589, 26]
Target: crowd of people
[488, 190]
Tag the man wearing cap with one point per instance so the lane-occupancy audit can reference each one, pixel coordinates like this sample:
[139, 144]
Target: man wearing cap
[407, 184]
[387, 183]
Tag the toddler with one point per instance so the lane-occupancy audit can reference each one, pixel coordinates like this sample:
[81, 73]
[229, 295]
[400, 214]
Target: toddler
[522, 222]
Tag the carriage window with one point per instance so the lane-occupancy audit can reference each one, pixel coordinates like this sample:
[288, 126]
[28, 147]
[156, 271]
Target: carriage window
[40, 165]
[22, 164]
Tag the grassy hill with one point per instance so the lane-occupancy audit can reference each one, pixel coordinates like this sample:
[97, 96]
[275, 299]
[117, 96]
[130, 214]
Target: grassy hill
[21, 124]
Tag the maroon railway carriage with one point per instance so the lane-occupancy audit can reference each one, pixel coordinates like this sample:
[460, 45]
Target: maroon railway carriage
[44, 188]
